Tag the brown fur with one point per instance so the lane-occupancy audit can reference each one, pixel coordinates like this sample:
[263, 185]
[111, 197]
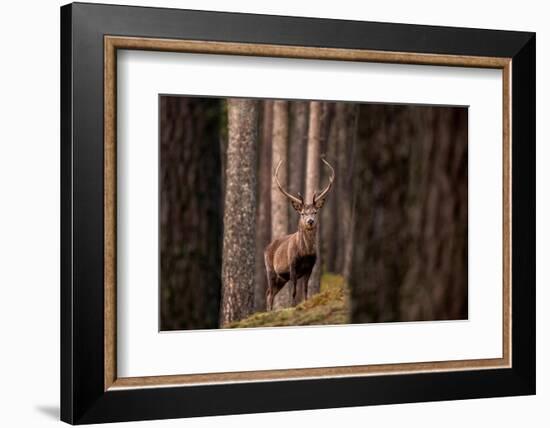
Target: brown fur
[292, 257]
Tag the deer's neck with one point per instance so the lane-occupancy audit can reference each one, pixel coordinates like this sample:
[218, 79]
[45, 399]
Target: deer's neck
[307, 241]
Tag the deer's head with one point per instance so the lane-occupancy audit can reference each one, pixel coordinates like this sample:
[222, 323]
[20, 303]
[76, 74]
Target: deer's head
[308, 211]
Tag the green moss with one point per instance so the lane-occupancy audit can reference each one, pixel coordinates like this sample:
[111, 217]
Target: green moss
[330, 306]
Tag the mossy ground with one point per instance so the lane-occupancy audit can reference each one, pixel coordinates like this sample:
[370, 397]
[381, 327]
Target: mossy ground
[330, 306]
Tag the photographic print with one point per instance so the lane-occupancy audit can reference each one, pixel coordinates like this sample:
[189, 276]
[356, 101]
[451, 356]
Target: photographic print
[299, 213]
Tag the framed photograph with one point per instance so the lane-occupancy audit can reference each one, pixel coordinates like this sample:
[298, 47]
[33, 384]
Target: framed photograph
[266, 213]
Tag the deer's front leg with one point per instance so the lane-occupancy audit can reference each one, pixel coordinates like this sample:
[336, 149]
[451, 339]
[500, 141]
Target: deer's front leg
[305, 281]
[293, 281]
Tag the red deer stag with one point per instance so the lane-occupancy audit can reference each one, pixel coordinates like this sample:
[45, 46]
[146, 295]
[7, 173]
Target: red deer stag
[292, 257]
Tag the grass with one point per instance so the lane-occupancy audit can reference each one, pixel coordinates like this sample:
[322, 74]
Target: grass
[330, 306]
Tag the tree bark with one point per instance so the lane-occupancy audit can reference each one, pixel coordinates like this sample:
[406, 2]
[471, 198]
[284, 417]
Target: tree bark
[435, 285]
[279, 203]
[329, 213]
[240, 211]
[297, 161]
[190, 213]
[410, 250]
[263, 218]
[297, 147]
[381, 236]
[312, 183]
[346, 115]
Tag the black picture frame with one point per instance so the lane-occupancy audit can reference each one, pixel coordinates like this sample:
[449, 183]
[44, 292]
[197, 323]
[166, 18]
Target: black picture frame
[83, 398]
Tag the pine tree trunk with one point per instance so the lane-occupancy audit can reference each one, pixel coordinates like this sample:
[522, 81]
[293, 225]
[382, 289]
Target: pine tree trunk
[330, 212]
[312, 183]
[297, 148]
[190, 213]
[279, 203]
[410, 250]
[346, 116]
[263, 218]
[240, 211]
[297, 154]
[436, 281]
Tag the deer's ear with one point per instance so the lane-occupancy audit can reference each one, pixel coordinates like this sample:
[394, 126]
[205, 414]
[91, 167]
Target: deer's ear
[297, 206]
[318, 203]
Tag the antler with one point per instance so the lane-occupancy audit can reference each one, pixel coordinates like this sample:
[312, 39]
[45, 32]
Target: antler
[283, 191]
[330, 181]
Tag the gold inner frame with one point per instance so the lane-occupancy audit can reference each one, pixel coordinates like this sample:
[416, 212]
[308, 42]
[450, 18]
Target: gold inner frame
[113, 43]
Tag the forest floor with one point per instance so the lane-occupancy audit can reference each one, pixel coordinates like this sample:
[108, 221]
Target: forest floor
[330, 306]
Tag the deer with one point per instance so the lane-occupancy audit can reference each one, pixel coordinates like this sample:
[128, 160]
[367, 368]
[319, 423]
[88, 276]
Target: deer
[292, 257]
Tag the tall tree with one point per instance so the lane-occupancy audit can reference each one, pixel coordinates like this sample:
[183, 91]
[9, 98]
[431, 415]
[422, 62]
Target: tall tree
[411, 240]
[312, 182]
[346, 116]
[279, 203]
[330, 127]
[239, 211]
[437, 279]
[263, 217]
[297, 146]
[297, 161]
[190, 213]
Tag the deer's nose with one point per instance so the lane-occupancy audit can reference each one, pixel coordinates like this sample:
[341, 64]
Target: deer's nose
[310, 222]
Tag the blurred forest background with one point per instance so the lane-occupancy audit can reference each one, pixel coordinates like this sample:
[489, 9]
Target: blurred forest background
[393, 238]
